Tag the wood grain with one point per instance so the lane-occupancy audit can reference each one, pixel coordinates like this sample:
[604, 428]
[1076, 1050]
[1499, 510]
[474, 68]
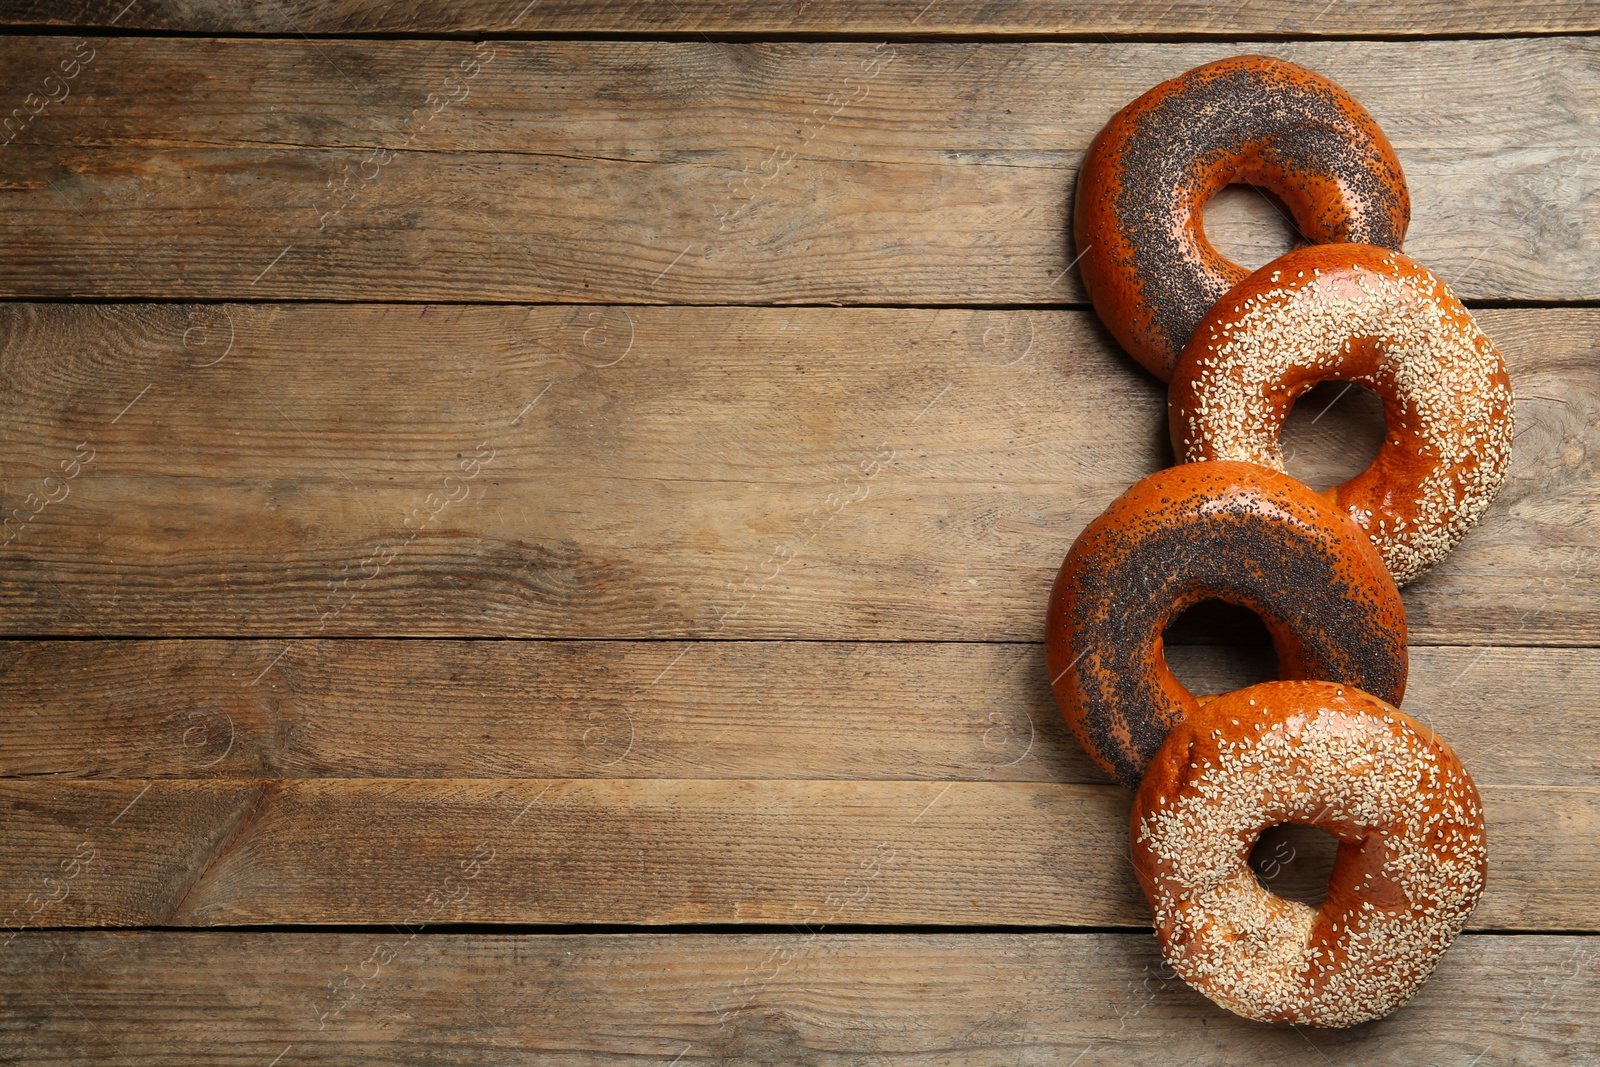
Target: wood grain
[697, 172]
[380, 851]
[656, 709]
[955, 17]
[590, 472]
[894, 485]
[825, 999]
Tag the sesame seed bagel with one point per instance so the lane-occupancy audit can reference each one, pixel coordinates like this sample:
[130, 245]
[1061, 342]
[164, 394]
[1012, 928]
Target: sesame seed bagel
[1357, 313]
[1142, 190]
[1236, 532]
[1410, 867]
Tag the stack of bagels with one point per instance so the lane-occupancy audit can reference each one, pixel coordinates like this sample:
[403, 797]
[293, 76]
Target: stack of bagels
[1326, 745]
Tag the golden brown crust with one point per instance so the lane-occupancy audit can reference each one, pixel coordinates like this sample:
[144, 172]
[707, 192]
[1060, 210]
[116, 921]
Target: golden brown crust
[1225, 531]
[1411, 863]
[1363, 314]
[1138, 214]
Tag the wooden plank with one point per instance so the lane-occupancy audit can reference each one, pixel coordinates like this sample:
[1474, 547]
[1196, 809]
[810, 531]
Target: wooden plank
[794, 172]
[375, 851]
[894, 474]
[837, 999]
[655, 709]
[941, 17]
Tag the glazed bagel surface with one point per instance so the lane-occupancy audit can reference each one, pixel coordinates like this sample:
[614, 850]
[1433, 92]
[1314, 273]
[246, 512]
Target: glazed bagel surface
[1364, 314]
[1226, 531]
[1139, 209]
[1410, 867]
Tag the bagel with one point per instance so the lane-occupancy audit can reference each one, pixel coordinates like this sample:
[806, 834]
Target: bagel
[1138, 216]
[1212, 531]
[1410, 868]
[1357, 313]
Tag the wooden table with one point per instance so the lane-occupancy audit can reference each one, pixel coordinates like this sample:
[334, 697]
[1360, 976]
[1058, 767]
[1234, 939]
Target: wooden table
[530, 523]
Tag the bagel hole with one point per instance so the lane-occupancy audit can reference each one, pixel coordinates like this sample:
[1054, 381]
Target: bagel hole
[1217, 647]
[1332, 434]
[1295, 861]
[1250, 225]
